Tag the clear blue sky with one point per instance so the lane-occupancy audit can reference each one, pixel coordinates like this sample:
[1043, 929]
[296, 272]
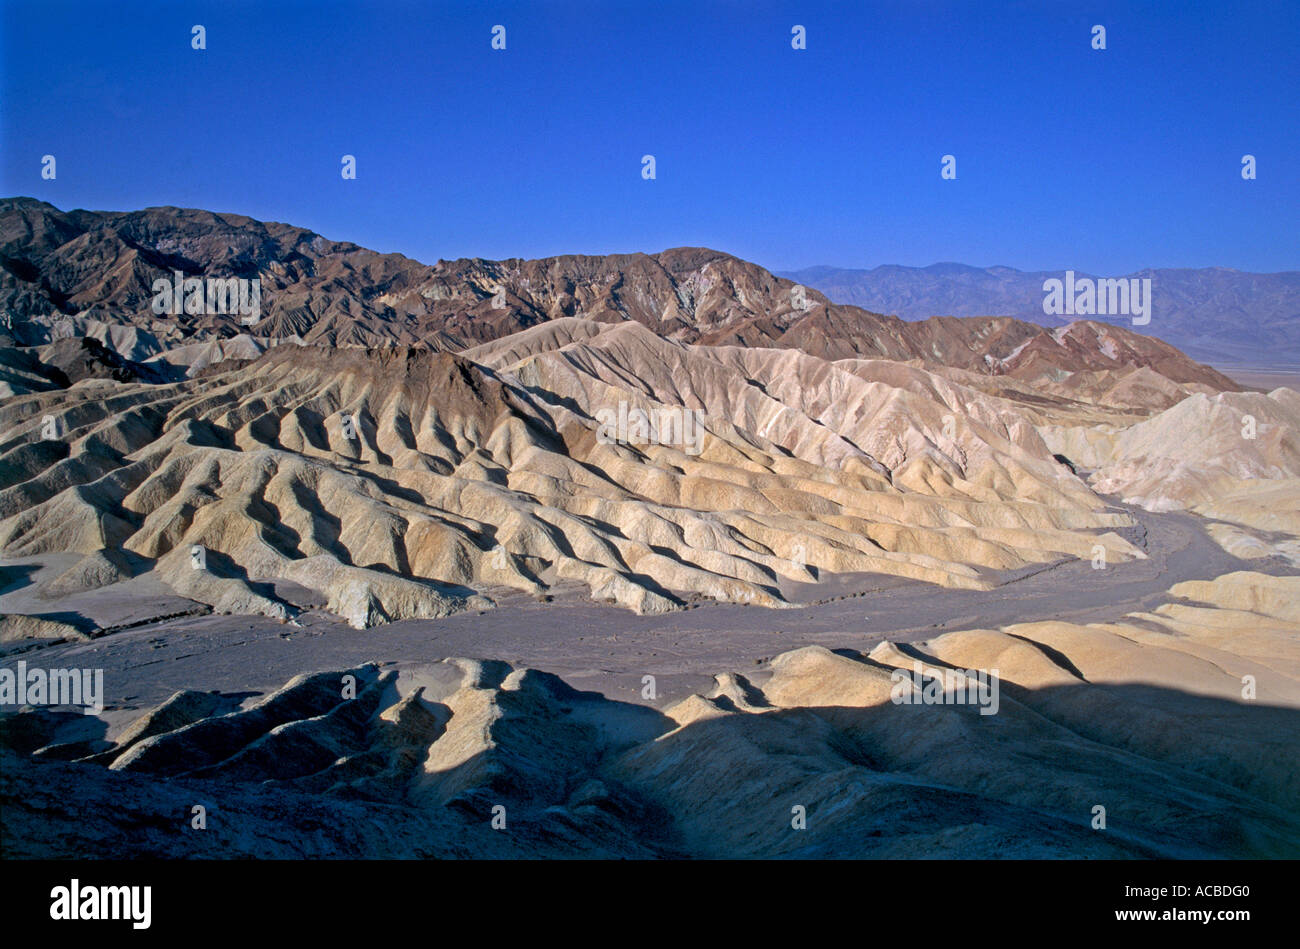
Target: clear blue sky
[1066, 157]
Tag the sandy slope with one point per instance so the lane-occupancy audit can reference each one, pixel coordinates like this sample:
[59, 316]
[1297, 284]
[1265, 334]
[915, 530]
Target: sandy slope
[397, 483]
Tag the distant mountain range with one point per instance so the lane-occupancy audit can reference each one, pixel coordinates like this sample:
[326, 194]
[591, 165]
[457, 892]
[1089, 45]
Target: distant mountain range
[1222, 316]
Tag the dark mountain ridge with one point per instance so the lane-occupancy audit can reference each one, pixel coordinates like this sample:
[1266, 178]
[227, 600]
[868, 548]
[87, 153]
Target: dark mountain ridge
[79, 273]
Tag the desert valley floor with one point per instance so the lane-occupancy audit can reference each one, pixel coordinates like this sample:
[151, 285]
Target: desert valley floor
[601, 648]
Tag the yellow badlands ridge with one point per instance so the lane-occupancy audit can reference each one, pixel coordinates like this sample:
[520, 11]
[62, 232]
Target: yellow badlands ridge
[406, 483]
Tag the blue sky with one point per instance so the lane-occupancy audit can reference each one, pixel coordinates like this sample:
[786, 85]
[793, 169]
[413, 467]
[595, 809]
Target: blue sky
[1102, 161]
